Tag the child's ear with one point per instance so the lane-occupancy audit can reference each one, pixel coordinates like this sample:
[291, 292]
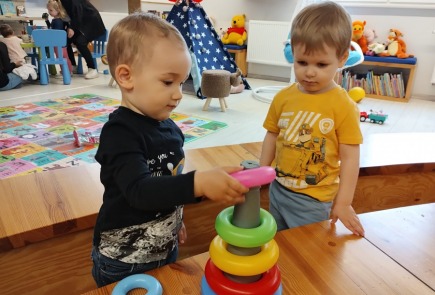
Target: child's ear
[123, 75]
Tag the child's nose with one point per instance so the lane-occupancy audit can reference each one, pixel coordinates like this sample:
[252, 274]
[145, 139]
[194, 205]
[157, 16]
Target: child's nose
[310, 72]
[178, 94]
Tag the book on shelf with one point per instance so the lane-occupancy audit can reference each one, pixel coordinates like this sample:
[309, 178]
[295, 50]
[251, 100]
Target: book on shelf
[386, 84]
[7, 8]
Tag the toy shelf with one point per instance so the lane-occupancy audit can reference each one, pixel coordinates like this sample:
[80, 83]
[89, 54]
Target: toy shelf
[405, 68]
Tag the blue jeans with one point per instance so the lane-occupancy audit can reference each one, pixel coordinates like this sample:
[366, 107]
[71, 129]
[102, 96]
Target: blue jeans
[14, 81]
[106, 270]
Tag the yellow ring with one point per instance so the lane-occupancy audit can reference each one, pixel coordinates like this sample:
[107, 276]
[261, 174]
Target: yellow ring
[243, 265]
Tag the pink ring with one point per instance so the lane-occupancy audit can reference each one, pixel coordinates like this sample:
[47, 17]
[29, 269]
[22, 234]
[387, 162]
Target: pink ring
[220, 284]
[256, 176]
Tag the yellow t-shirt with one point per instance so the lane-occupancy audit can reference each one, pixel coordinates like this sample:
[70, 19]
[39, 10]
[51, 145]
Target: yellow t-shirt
[310, 129]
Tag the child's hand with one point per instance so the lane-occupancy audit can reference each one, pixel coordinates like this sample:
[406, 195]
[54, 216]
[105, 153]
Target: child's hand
[182, 234]
[217, 185]
[348, 217]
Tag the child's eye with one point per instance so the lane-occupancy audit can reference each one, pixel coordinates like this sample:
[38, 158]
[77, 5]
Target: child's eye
[167, 83]
[302, 63]
[321, 65]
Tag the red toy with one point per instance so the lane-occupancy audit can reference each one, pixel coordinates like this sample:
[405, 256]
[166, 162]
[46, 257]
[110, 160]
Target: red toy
[374, 117]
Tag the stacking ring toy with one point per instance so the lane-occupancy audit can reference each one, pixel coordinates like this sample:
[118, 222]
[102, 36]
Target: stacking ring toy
[255, 176]
[220, 284]
[243, 265]
[147, 282]
[245, 237]
[205, 288]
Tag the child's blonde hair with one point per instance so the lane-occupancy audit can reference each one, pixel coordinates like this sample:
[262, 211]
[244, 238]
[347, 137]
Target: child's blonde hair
[56, 5]
[132, 39]
[325, 23]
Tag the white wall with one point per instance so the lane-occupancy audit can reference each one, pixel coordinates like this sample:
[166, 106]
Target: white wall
[416, 24]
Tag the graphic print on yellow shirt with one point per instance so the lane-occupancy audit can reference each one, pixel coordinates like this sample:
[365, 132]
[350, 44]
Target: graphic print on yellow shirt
[302, 155]
[310, 129]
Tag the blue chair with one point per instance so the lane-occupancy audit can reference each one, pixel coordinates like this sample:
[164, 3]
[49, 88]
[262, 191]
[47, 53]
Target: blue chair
[49, 42]
[34, 54]
[99, 45]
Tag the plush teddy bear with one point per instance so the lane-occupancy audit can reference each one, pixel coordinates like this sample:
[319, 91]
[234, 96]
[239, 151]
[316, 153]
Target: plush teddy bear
[358, 34]
[396, 46]
[236, 34]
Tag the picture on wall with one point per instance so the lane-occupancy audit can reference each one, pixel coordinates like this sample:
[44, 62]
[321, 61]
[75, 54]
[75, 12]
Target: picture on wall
[21, 10]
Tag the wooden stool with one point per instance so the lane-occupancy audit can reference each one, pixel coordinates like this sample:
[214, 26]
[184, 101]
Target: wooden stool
[240, 53]
[216, 83]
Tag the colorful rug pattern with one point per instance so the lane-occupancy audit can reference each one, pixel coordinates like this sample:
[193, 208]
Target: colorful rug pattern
[36, 137]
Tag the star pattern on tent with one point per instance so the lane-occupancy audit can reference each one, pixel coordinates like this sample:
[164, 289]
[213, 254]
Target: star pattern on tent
[206, 49]
[202, 38]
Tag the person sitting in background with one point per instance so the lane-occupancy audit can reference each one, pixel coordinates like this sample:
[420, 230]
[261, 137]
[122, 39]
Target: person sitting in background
[86, 25]
[60, 21]
[15, 51]
[8, 80]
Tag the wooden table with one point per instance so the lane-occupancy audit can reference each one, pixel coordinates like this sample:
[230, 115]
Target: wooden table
[324, 259]
[53, 213]
[407, 235]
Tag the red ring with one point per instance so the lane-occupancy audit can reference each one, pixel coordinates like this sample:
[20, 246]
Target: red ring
[222, 285]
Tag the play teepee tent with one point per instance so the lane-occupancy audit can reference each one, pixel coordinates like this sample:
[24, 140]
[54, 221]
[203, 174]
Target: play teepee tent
[205, 46]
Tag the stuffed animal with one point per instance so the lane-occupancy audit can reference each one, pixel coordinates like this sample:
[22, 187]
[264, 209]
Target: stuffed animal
[370, 35]
[237, 85]
[358, 34]
[396, 46]
[376, 49]
[236, 34]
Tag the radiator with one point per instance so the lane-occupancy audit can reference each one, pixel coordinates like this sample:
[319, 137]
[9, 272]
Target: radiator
[266, 42]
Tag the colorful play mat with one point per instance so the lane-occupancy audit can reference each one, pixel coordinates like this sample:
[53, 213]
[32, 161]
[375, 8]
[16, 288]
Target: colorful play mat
[38, 136]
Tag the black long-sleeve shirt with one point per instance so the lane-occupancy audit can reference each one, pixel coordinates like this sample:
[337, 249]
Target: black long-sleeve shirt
[6, 66]
[84, 18]
[57, 24]
[141, 163]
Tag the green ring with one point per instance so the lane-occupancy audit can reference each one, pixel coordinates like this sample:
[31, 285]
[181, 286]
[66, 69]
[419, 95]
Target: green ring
[245, 237]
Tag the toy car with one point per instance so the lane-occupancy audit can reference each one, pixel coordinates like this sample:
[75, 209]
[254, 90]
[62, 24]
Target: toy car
[373, 117]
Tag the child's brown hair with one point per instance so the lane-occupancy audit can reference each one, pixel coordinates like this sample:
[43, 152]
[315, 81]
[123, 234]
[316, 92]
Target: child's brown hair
[6, 30]
[325, 23]
[132, 39]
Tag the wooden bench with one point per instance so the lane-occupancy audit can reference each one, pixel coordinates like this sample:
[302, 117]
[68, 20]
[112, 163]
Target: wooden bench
[46, 219]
